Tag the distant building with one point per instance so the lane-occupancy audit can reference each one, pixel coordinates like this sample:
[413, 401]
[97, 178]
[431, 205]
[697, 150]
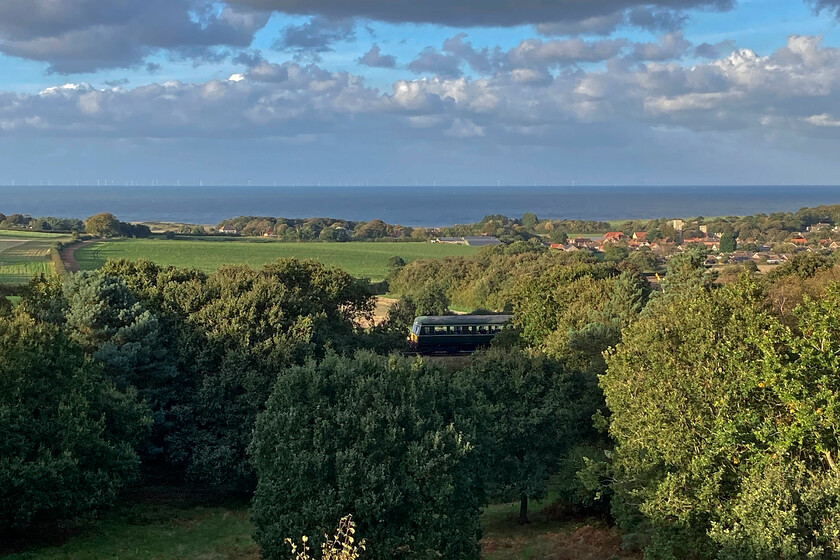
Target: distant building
[799, 241]
[614, 237]
[704, 229]
[228, 230]
[677, 224]
[480, 241]
[640, 235]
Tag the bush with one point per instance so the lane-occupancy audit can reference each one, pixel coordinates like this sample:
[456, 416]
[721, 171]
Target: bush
[383, 438]
[726, 423]
[68, 434]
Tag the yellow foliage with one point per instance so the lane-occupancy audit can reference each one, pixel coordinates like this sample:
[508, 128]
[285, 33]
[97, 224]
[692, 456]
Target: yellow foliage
[341, 546]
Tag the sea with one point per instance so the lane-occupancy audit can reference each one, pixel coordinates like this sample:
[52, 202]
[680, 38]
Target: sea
[430, 206]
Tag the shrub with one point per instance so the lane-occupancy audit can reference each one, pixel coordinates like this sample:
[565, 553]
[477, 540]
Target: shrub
[68, 433]
[383, 438]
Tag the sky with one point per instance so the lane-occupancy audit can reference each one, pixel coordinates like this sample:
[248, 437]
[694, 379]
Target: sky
[404, 92]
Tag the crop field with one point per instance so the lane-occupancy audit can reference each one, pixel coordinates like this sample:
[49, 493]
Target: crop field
[363, 260]
[24, 255]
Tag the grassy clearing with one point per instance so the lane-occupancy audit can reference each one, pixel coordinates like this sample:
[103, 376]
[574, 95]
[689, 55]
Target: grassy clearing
[167, 527]
[363, 260]
[152, 532]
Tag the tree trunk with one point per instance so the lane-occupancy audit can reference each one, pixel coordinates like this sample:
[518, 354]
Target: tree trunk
[523, 510]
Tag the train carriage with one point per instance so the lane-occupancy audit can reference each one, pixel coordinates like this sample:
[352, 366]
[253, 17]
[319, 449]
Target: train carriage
[455, 333]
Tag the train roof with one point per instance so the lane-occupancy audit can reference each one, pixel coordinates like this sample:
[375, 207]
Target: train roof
[463, 319]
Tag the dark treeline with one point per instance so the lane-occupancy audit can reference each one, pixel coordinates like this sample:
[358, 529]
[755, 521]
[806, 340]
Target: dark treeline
[331, 229]
[322, 229]
[48, 223]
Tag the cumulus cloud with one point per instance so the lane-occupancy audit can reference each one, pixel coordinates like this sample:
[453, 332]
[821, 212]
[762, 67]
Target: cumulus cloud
[795, 90]
[468, 13]
[670, 46]
[541, 56]
[87, 35]
[375, 59]
[828, 5]
[433, 62]
[316, 35]
[716, 50]
[651, 18]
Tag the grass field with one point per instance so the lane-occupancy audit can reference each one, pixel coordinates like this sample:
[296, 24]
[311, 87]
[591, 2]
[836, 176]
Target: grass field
[24, 255]
[167, 527]
[363, 260]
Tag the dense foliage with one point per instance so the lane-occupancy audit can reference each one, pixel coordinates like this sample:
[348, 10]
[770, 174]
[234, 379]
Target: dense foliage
[725, 422]
[107, 225]
[203, 350]
[46, 223]
[715, 398]
[529, 414]
[322, 229]
[68, 432]
[386, 440]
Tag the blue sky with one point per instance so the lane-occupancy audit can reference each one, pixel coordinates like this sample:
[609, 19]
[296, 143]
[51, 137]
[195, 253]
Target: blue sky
[455, 92]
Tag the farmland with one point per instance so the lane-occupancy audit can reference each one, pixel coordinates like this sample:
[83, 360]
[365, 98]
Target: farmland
[25, 254]
[363, 260]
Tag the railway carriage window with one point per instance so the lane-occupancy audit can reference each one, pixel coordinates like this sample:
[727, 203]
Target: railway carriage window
[482, 330]
[428, 330]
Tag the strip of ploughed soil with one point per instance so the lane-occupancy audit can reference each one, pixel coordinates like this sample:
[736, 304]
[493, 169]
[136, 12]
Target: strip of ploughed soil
[68, 256]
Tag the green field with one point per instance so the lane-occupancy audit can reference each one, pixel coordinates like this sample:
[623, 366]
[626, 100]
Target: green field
[163, 526]
[24, 255]
[363, 260]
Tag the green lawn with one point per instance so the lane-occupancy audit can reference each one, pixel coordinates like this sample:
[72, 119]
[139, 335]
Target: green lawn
[24, 255]
[168, 527]
[363, 260]
[158, 532]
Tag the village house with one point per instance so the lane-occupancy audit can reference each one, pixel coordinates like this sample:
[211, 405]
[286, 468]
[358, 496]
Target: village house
[228, 230]
[677, 224]
[801, 241]
[613, 237]
[640, 235]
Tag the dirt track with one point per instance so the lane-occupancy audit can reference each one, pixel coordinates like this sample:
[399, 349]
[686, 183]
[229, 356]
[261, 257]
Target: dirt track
[68, 256]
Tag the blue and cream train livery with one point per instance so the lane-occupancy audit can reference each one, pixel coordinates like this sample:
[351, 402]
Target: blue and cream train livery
[455, 333]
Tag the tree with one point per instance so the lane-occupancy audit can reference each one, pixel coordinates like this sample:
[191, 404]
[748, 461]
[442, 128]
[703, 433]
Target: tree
[727, 243]
[616, 252]
[103, 225]
[231, 333]
[531, 414]
[559, 236]
[431, 300]
[383, 439]
[529, 221]
[68, 433]
[725, 425]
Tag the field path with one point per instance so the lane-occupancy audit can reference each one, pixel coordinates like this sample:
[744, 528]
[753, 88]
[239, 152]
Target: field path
[68, 256]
